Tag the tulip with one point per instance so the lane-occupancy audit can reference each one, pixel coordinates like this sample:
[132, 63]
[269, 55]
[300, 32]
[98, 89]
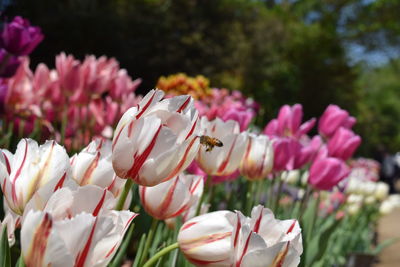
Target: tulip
[242, 116]
[258, 159]
[327, 172]
[93, 166]
[171, 198]
[225, 160]
[19, 37]
[205, 240]
[264, 241]
[76, 228]
[285, 150]
[29, 169]
[288, 123]
[156, 140]
[343, 144]
[332, 119]
[8, 64]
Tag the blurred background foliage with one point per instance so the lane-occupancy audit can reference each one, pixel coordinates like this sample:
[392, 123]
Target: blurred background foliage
[313, 52]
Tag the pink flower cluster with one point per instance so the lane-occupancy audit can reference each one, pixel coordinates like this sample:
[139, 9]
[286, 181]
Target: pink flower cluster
[228, 106]
[89, 96]
[326, 152]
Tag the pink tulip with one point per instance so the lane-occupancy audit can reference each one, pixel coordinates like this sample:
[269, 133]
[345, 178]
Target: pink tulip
[258, 159]
[243, 117]
[285, 151]
[74, 228]
[156, 140]
[225, 160]
[326, 173]
[264, 241]
[31, 168]
[343, 144]
[172, 198]
[288, 123]
[332, 119]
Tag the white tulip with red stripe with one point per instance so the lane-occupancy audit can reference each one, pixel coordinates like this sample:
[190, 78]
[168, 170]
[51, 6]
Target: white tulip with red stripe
[258, 159]
[156, 140]
[264, 241]
[93, 165]
[171, 198]
[205, 240]
[29, 169]
[223, 160]
[75, 228]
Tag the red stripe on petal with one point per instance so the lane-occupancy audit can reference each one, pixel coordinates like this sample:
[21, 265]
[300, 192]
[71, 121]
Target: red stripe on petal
[246, 246]
[258, 222]
[18, 173]
[130, 220]
[90, 169]
[81, 258]
[145, 107]
[38, 247]
[193, 188]
[100, 204]
[143, 195]
[7, 163]
[238, 227]
[204, 240]
[60, 183]
[138, 161]
[188, 225]
[222, 167]
[178, 168]
[192, 129]
[291, 227]
[168, 199]
[184, 105]
[111, 251]
[117, 137]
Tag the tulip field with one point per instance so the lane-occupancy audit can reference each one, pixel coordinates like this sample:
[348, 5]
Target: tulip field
[94, 174]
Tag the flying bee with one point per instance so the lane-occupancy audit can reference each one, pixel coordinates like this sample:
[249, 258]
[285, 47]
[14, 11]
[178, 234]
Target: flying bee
[210, 142]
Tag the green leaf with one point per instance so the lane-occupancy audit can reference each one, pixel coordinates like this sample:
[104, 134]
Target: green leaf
[316, 247]
[139, 251]
[5, 257]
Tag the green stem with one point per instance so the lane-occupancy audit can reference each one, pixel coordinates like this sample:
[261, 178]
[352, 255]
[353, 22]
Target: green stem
[271, 191]
[202, 197]
[149, 239]
[160, 254]
[124, 194]
[304, 201]
[314, 217]
[278, 193]
[249, 196]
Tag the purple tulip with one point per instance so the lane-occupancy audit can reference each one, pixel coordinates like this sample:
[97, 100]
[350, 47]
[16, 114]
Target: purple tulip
[332, 119]
[325, 173]
[343, 144]
[8, 64]
[19, 37]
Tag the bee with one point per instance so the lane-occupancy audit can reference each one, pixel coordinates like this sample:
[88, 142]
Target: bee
[210, 142]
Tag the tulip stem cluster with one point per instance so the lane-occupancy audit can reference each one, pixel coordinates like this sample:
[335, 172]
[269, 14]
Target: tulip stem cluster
[149, 240]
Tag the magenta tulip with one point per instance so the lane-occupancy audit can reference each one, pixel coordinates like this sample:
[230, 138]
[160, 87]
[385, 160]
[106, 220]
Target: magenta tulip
[332, 119]
[327, 172]
[343, 144]
[288, 123]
